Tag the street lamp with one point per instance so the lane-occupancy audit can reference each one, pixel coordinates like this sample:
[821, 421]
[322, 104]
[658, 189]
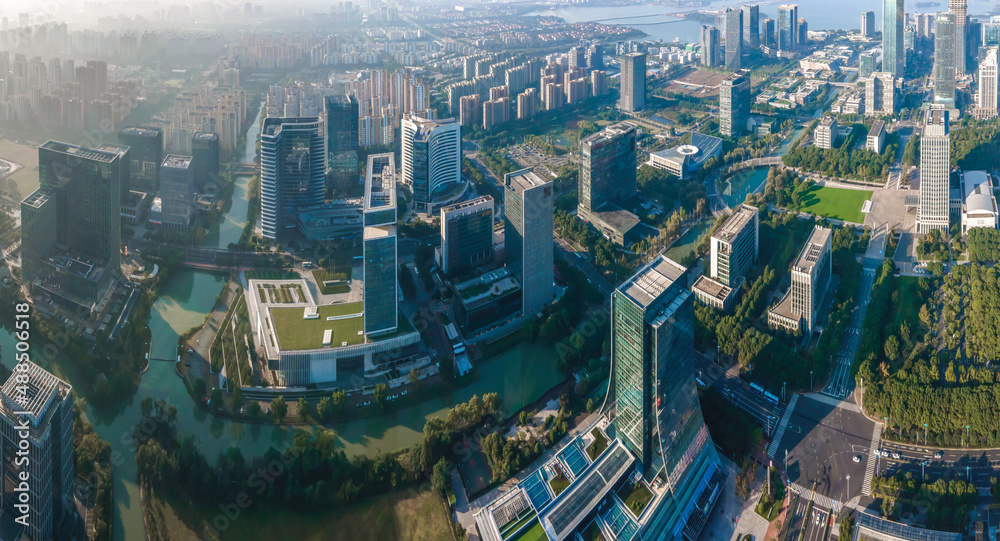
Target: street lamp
[925, 434]
[810, 380]
[848, 486]
[967, 432]
[922, 474]
[968, 473]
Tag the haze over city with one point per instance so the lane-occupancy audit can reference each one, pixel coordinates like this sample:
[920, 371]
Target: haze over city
[540, 270]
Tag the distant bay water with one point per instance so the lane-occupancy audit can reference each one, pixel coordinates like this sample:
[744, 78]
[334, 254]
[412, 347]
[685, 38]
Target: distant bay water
[820, 14]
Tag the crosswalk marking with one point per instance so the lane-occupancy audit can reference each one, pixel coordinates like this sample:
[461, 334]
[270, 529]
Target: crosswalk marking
[866, 487]
[776, 442]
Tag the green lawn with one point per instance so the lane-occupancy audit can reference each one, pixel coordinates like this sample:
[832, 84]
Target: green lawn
[838, 203]
[535, 533]
[272, 275]
[910, 300]
[769, 511]
[508, 529]
[296, 333]
[598, 446]
[635, 497]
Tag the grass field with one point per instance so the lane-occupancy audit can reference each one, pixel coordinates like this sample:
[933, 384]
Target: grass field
[635, 498]
[27, 176]
[297, 333]
[838, 203]
[535, 533]
[400, 516]
[910, 300]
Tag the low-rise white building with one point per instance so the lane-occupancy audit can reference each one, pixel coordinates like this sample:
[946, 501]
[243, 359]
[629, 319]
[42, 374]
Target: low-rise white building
[979, 208]
[875, 141]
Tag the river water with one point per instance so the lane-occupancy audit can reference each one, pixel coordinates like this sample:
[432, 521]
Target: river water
[520, 375]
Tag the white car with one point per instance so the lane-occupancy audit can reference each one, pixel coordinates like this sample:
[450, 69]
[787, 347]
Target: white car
[895, 455]
[857, 458]
[938, 454]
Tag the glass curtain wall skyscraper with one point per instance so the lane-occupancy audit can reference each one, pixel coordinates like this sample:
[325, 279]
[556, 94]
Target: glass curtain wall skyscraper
[380, 253]
[945, 59]
[958, 8]
[751, 27]
[935, 172]
[292, 170]
[893, 53]
[788, 30]
[733, 22]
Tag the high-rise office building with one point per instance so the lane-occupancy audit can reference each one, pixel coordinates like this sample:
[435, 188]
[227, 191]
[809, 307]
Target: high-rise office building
[146, 152]
[810, 281]
[205, 158]
[958, 8]
[734, 246]
[734, 104]
[431, 156]
[343, 143]
[733, 22]
[751, 27]
[866, 65]
[633, 82]
[125, 167]
[788, 28]
[935, 172]
[40, 454]
[292, 170]
[176, 191]
[466, 235]
[709, 46]
[803, 29]
[880, 94]
[767, 33]
[607, 168]
[380, 253]
[893, 53]
[734, 250]
[867, 24]
[945, 59]
[657, 413]
[71, 225]
[528, 208]
[986, 96]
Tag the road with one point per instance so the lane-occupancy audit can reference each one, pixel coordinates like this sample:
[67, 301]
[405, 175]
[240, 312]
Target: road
[841, 383]
[975, 466]
[816, 524]
[797, 517]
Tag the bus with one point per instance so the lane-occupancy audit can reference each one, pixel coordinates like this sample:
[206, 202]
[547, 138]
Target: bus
[770, 397]
[757, 388]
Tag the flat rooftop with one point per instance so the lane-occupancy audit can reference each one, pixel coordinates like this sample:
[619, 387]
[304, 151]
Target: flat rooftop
[35, 396]
[111, 147]
[206, 136]
[524, 179]
[380, 181]
[80, 152]
[141, 131]
[813, 249]
[176, 161]
[426, 125]
[652, 281]
[618, 219]
[37, 198]
[743, 215]
[712, 288]
[471, 203]
[877, 126]
[296, 333]
[608, 134]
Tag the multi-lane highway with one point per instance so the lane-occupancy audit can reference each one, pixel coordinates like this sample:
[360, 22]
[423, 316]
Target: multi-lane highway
[975, 466]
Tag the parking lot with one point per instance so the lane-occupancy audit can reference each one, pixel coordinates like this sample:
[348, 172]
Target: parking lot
[529, 155]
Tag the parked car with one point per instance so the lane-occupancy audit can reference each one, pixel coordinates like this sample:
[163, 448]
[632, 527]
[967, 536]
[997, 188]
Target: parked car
[857, 458]
[895, 455]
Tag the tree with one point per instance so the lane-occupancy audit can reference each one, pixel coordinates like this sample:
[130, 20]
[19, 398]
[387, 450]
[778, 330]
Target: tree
[279, 409]
[439, 477]
[253, 410]
[324, 409]
[199, 389]
[236, 401]
[215, 402]
[380, 394]
[302, 408]
[892, 347]
[414, 377]
[337, 400]
[846, 529]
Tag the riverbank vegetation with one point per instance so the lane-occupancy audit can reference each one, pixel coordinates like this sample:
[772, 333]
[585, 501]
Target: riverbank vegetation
[945, 502]
[92, 462]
